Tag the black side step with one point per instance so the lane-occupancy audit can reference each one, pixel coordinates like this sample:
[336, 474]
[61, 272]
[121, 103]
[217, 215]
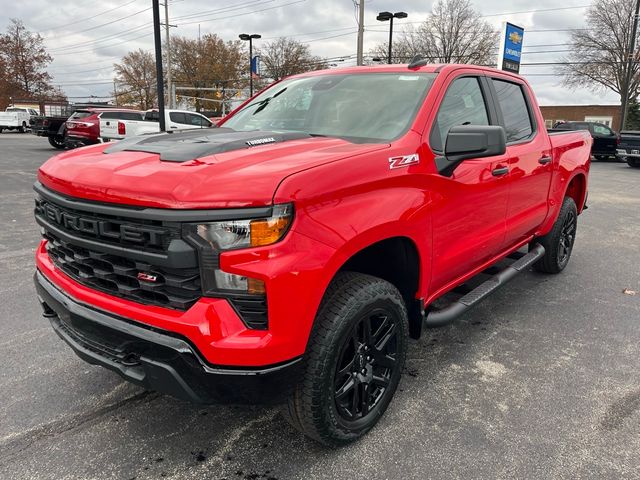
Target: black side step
[444, 316]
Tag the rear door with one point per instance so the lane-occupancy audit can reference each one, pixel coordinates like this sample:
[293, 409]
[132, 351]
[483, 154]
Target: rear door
[529, 159]
[470, 211]
[605, 141]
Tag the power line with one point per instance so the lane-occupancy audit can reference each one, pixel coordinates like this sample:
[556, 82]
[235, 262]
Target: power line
[146, 34]
[111, 22]
[243, 14]
[89, 18]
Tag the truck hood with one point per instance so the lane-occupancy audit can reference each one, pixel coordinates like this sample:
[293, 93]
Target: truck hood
[215, 168]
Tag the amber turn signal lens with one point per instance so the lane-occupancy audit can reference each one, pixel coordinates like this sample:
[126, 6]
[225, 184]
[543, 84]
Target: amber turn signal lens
[255, 286]
[268, 231]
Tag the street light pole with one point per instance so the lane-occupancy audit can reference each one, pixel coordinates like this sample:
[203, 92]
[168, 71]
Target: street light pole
[388, 16]
[159, 79]
[247, 37]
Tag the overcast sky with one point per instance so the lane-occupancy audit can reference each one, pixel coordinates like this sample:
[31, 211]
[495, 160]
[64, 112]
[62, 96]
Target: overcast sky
[86, 38]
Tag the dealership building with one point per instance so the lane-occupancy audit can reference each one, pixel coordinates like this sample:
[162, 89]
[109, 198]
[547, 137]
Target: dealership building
[606, 114]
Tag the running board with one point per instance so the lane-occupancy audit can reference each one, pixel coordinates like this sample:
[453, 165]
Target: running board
[444, 316]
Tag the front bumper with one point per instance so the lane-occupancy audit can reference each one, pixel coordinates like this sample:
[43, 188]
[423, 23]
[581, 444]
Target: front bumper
[159, 360]
[628, 153]
[76, 141]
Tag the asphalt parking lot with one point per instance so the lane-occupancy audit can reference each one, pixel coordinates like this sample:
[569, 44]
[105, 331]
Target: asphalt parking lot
[540, 381]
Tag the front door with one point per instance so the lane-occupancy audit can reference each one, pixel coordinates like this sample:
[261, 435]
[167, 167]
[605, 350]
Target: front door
[470, 212]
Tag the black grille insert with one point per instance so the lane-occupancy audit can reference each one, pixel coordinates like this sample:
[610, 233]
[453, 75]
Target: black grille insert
[120, 276]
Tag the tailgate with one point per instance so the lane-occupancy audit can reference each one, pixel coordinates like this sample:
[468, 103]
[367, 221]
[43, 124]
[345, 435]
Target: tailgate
[109, 129]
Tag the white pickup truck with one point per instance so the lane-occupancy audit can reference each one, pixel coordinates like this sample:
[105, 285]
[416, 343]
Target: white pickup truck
[16, 118]
[174, 120]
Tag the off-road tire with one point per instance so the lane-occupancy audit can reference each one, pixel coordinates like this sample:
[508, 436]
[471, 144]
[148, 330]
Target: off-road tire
[556, 242]
[312, 407]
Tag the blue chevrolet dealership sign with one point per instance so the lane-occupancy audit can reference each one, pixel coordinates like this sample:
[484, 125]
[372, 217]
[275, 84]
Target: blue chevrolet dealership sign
[511, 47]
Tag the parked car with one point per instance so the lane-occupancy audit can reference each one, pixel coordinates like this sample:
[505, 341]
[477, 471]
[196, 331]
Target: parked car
[52, 127]
[289, 255]
[16, 118]
[174, 120]
[629, 147]
[83, 127]
[605, 140]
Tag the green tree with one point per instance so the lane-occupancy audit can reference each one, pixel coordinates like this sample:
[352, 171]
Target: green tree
[633, 116]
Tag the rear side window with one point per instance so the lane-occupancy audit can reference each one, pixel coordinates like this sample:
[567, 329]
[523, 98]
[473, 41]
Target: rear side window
[121, 116]
[178, 117]
[198, 121]
[517, 122]
[463, 104]
[81, 114]
[602, 130]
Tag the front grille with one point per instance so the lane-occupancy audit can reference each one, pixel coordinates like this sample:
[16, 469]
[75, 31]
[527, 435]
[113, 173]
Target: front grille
[116, 275]
[143, 257]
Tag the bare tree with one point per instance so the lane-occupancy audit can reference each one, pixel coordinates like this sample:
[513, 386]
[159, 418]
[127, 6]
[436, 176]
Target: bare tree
[24, 60]
[286, 56]
[600, 53]
[453, 33]
[136, 77]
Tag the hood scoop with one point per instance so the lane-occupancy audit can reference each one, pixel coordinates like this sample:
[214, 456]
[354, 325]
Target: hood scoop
[193, 144]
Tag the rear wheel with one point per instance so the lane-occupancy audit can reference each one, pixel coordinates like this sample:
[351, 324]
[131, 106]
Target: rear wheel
[633, 162]
[558, 243]
[354, 360]
[57, 141]
[22, 128]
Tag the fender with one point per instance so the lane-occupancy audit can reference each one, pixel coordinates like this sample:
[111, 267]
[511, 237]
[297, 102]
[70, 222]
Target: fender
[560, 182]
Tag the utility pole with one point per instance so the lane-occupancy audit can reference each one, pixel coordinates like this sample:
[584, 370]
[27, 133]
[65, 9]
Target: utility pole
[360, 31]
[159, 79]
[630, 65]
[115, 92]
[168, 43]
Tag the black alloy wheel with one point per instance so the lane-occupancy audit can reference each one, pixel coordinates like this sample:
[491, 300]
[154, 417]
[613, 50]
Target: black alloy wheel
[366, 364]
[567, 238]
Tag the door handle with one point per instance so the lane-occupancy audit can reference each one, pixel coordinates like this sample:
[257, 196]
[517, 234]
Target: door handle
[498, 172]
[544, 160]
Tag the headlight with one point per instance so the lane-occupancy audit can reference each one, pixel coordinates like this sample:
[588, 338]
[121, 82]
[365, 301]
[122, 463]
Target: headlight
[211, 238]
[234, 234]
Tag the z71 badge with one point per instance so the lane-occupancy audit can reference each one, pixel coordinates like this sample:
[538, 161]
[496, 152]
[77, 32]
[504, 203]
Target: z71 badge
[404, 161]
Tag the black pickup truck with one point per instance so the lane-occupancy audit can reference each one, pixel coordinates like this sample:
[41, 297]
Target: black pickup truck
[51, 127]
[629, 147]
[605, 140]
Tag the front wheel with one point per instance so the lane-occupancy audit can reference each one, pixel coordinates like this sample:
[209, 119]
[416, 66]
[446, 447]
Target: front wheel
[558, 243]
[633, 162]
[354, 360]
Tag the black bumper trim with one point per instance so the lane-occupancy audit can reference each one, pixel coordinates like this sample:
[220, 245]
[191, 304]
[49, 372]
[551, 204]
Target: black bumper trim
[160, 361]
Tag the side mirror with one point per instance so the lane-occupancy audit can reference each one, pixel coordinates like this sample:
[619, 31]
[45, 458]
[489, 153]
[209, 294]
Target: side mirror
[474, 141]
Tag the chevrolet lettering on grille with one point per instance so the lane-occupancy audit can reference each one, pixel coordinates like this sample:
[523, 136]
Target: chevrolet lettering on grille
[106, 229]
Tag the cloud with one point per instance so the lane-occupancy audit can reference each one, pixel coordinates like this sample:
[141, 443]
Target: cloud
[80, 43]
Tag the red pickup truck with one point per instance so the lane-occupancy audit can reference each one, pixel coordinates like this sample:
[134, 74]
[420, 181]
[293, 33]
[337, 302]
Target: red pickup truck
[290, 254]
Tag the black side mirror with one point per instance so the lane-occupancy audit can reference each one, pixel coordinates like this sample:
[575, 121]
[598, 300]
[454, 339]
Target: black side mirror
[474, 141]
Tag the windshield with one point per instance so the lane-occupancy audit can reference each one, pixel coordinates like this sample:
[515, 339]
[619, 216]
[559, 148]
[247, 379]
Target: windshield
[359, 107]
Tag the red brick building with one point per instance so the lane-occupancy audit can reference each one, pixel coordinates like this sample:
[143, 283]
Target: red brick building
[606, 114]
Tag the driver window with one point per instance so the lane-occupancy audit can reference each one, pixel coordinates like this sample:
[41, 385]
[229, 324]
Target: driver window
[463, 104]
